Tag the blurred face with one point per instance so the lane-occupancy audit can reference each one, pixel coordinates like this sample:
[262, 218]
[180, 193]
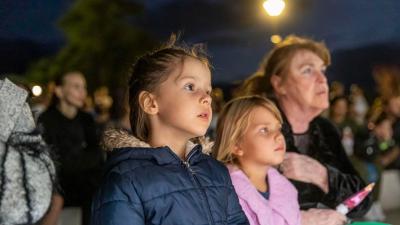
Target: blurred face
[384, 130]
[262, 143]
[184, 101]
[73, 91]
[393, 107]
[305, 85]
[340, 108]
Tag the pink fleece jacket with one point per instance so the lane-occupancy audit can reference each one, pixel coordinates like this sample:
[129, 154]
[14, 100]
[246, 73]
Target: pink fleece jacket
[282, 208]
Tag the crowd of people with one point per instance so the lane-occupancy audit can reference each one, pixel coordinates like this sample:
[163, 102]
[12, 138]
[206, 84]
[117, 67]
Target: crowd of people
[286, 149]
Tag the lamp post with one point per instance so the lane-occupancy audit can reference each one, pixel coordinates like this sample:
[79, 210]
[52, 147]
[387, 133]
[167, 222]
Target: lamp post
[274, 7]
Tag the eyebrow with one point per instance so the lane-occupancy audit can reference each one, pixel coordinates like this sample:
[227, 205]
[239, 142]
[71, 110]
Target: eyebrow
[310, 64]
[262, 124]
[267, 124]
[183, 77]
[188, 77]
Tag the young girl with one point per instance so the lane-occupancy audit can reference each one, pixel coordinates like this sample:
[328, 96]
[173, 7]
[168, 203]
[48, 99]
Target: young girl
[250, 142]
[158, 175]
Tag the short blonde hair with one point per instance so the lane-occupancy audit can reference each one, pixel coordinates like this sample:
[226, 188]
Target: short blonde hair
[234, 121]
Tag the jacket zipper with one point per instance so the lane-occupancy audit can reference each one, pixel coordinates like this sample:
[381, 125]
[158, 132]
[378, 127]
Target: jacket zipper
[193, 174]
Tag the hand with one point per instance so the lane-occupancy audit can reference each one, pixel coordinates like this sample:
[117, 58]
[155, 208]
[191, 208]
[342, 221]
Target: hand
[305, 169]
[322, 217]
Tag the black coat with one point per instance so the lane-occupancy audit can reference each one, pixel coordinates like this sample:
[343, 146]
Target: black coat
[326, 147]
[75, 144]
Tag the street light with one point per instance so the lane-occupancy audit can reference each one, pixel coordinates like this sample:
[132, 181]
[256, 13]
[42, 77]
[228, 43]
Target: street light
[274, 7]
[36, 90]
[276, 39]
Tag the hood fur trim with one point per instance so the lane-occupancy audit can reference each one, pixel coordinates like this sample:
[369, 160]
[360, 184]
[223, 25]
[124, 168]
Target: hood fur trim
[117, 138]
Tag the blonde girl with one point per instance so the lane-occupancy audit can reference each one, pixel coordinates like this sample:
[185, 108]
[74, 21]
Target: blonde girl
[249, 141]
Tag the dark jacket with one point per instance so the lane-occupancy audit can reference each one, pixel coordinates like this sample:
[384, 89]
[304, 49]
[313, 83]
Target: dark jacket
[326, 147]
[144, 185]
[76, 145]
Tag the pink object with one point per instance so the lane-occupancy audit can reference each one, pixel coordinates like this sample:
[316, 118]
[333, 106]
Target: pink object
[354, 200]
[282, 208]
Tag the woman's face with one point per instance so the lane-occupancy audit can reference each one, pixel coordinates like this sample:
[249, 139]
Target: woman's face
[305, 84]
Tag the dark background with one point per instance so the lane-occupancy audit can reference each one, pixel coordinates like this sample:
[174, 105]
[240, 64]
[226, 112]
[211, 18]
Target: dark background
[360, 34]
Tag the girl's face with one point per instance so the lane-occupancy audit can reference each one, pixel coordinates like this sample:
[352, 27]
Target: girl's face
[262, 143]
[184, 101]
[305, 85]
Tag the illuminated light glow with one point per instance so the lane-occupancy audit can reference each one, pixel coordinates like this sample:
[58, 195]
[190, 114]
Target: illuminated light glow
[37, 90]
[274, 7]
[276, 39]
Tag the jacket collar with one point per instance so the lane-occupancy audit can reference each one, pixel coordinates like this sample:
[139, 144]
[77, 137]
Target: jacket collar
[123, 146]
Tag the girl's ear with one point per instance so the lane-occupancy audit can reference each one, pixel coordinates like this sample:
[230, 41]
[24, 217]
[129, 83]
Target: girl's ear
[148, 103]
[276, 82]
[237, 150]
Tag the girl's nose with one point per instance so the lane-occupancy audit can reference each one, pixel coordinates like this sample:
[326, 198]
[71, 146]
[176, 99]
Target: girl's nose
[206, 98]
[278, 135]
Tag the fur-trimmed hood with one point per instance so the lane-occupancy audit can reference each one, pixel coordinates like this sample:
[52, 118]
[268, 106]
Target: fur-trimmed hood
[117, 138]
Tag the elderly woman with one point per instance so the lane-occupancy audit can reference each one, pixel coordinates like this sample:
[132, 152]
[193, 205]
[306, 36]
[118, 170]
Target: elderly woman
[293, 74]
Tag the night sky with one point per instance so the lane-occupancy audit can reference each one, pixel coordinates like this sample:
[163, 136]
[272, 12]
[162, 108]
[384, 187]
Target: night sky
[236, 32]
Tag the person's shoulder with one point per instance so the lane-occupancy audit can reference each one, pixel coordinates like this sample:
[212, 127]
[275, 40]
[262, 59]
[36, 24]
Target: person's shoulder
[85, 115]
[123, 161]
[322, 121]
[219, 166]
[48, 115]
[116, 186]
[325, 125]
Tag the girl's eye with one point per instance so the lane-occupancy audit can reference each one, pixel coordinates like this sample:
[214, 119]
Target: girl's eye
[264, 130]
[189, 87]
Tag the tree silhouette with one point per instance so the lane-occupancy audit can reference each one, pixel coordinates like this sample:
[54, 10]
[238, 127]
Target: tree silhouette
[101, 42]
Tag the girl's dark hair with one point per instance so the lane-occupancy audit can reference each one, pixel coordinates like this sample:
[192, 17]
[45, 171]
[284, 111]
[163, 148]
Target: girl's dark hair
[149, 71]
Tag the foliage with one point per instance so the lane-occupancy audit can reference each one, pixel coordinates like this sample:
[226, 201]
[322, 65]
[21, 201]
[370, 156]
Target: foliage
[101, 42]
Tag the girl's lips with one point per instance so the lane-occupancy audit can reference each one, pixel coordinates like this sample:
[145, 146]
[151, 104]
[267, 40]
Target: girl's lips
[204, 115]
[280, 149]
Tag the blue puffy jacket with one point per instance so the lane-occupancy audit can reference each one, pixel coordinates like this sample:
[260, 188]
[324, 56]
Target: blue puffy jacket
[145, 185]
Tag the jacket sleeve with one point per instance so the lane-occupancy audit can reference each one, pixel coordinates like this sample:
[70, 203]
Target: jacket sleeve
[235, 212]
[117, 203]
[343, 179]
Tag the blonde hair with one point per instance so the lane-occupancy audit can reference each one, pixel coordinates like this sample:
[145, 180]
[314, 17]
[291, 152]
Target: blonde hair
[234, 121]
